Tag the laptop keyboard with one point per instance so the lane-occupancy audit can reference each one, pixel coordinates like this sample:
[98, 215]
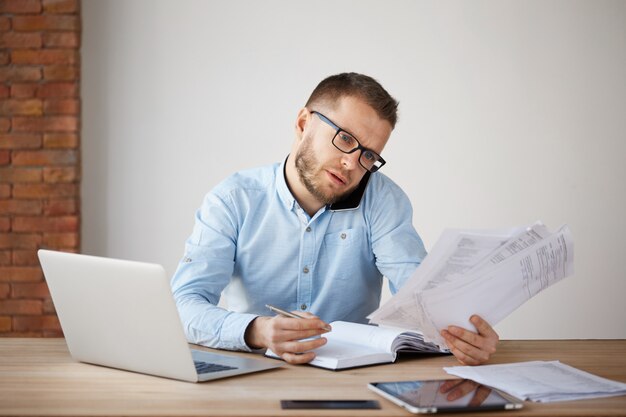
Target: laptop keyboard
[206, 367]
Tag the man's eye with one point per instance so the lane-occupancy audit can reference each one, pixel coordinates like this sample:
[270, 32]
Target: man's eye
[369, 156]
[347, 139]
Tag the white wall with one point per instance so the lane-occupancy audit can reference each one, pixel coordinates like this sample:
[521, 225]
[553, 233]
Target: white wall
[511, 111]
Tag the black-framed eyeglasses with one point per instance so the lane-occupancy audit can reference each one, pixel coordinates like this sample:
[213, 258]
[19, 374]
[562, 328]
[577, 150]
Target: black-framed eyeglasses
[347, 143]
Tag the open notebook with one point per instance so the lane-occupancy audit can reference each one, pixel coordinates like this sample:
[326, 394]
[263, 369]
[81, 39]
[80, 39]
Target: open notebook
[352, 345]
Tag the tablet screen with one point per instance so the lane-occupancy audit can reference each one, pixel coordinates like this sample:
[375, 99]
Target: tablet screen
[444, 395]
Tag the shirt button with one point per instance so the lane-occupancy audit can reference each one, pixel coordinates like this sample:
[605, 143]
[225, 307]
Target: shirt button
[305, 270]
[308, 229]
[343, 235]
[303, 307]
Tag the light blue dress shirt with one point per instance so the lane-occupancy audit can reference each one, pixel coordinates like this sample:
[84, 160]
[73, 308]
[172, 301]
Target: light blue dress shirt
[253, 242]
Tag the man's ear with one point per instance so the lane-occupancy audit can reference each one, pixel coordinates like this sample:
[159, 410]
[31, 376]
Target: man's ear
[301, 121]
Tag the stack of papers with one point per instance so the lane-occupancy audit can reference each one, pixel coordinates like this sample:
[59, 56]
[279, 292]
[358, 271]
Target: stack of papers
[541, 381]
[484, 272]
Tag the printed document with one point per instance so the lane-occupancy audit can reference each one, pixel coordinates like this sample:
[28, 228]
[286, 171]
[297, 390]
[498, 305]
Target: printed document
[489, 273]
[541, 381]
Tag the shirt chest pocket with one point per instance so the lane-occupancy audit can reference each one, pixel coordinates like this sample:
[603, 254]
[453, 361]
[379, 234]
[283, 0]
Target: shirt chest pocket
[344, 252]
[343, 239]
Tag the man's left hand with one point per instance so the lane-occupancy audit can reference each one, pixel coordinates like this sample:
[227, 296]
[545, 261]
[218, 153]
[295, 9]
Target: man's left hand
[472, 348]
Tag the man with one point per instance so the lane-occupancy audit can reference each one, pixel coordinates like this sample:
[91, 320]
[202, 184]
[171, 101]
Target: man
[315, 234]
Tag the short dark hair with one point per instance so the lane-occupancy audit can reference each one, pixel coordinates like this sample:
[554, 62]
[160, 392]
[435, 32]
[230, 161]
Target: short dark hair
[357, 85]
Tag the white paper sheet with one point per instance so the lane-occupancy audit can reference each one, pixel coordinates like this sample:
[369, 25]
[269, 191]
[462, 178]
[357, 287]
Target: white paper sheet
[490, 274]
[541, 381]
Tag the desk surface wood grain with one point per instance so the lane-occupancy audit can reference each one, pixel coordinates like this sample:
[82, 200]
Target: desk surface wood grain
[39, 378]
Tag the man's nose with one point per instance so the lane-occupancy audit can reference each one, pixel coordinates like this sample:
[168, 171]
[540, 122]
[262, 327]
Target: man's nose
[350, 160]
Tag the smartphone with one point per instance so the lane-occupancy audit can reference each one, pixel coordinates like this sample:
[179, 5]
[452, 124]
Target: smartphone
[328, 404]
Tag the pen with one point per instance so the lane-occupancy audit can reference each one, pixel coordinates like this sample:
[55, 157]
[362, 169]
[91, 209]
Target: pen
[290, 314]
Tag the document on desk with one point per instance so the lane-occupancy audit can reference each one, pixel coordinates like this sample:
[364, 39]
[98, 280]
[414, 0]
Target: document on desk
[489, 273]
[541, 381]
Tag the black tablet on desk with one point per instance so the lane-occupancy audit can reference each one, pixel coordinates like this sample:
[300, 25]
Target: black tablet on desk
[444, 396]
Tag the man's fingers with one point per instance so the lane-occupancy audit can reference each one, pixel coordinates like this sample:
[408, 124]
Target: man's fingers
[484, 328]
[302, 346]
[465, 352]
[288, 323]
[298, 359]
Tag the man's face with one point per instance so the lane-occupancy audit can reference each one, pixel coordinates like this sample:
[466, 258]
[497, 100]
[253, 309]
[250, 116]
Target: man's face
[327, 173]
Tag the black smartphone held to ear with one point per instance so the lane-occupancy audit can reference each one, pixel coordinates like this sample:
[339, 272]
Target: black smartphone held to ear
[328, 404]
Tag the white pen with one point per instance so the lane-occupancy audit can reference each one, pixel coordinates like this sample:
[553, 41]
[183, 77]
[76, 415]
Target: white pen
[290, 314]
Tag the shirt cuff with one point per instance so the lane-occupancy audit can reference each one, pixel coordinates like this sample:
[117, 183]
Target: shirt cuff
[234, 329]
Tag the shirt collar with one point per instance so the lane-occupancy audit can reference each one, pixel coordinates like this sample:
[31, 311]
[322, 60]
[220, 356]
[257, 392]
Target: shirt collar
[351, 202]
[281, 186]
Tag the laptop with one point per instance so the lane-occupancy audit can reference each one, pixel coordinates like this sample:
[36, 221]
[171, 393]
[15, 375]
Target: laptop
[121, 314]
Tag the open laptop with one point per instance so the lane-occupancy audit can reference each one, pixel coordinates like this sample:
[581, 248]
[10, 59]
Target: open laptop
[121, 314]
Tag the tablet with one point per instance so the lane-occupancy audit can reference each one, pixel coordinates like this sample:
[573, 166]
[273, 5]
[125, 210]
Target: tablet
[444, 396]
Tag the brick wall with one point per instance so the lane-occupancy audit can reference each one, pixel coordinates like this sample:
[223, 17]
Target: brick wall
[39, 154]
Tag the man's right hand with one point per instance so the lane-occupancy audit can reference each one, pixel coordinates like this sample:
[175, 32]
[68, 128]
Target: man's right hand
[283, 335]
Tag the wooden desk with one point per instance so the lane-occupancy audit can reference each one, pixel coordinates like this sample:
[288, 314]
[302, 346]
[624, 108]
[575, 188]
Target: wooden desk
[38, 377]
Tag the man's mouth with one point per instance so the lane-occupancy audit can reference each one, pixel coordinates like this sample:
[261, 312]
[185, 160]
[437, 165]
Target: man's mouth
[337, 178]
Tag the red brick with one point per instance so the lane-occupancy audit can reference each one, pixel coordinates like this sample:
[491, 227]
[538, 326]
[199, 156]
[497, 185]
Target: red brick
[13, 73]
[58, 207]
[24, 334]
[61, 6]
[5, 58]
[5, 224]
[21, 207]
[5, 124]
[52, 333]
[60, 240]
[22, 307]
[25, 258]
[60, 174]
[60, 72]
[44, 190]
[20, 141]
[61, 106]
[48, 306]
[58, 90]
[5, 324]
[5, 189]
[60, 140]
[5, 260]
[13, 107]
[42, 124]
[44, 56]
[30, 290]
[43, 22]
[19, 175]
[5, 158]
[30, 323]
[20, 274]
[5, 23]
[24, 90]
[20, 40]
[20, 6]
[61, 39]
[4, 91]
[45, 157]
[5, 290]
[45, 224]
[20, 241]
